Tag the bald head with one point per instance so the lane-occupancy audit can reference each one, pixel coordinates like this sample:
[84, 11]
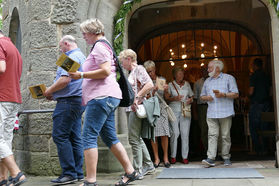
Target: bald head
[67, 43]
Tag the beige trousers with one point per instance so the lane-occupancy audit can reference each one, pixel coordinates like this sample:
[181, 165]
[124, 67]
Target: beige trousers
[216, 126]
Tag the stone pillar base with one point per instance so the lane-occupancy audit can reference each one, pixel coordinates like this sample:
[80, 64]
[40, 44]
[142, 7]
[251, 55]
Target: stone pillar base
[107, 162]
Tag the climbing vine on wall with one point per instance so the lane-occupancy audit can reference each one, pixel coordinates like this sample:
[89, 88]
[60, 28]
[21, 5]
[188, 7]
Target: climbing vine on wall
[275, 4]
[119, 24]
[1, 7]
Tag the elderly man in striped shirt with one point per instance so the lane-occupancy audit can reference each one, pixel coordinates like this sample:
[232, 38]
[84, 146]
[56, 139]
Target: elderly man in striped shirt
[219, 91]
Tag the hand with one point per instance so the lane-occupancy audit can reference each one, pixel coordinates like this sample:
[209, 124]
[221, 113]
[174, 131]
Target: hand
[209, 98]
[155, 88]
[75, 75]
[178, 98]
[47, 93]
[189, 101]
[50, 98]
[220, 95]
[166, 87]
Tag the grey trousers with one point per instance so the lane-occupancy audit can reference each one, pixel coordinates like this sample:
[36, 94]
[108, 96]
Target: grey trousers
[141, 156]
[216, 126]
[180, 126]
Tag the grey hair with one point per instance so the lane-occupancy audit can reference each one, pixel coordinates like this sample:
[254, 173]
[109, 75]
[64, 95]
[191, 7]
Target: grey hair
[68, 38]
[218, 63]
[128, 53]
[93, 26]
[149, 64]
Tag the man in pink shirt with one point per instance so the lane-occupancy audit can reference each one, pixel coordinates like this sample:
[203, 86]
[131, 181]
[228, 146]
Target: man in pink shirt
[10, 100]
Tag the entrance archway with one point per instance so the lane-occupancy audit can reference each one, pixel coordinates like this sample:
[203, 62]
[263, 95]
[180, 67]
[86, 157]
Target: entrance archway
[240, 39]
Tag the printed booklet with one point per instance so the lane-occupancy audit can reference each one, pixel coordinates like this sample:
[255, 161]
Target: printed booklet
[37, 91]
[67, 63]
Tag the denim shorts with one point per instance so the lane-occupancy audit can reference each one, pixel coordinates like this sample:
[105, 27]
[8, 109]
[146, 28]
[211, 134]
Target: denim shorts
[99, 120]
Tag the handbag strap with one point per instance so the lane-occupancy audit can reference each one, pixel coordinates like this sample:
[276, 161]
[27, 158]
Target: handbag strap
[163, 101]
[175, 88]
[114, 54]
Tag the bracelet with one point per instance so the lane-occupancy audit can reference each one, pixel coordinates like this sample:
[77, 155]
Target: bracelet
[81, 75]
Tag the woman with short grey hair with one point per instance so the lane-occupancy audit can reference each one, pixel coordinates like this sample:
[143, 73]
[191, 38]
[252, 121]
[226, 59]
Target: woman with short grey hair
[162, 123]
[179, 95]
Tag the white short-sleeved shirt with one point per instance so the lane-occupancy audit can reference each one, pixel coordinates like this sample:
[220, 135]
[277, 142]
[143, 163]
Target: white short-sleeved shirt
[185, 90]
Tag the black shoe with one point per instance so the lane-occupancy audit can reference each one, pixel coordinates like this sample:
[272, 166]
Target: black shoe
[167, 164]
[156, 165]
[64, 180]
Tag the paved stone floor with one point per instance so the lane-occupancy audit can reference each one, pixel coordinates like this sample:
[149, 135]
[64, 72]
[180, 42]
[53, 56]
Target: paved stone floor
[266, 168]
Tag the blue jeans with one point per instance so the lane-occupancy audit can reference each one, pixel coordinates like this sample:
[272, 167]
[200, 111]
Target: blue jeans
[99, 120]
[255, 123]
[66, 135]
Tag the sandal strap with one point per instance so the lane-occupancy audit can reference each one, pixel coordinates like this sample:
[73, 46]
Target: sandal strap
[3, 182]
[18, 176]
[86, 183]
[120, 183]
[132, 175]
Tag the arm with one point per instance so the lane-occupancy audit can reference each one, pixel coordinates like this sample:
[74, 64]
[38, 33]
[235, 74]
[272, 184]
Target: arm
[230, 95]
[206, 98]
[101, 73]
[2, 66]
[61, 83]
[145, 89]
[168, 96]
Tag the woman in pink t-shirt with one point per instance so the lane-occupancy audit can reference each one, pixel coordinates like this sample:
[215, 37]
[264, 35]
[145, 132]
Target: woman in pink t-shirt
[99, 73]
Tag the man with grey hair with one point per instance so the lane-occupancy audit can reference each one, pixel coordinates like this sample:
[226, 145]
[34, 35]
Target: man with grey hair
[219, 91]
[66, 131]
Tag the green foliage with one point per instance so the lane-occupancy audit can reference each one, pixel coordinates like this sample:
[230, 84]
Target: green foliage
[274, 3]
[119, 24]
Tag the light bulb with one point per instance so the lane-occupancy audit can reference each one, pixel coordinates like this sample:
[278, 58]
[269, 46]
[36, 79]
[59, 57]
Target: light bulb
[202, 55]
[184, 56]
[170, 50]
[202, 64]
[202, 44]
[172, 63]
[185, 65]
[182, 46]
[215, 47]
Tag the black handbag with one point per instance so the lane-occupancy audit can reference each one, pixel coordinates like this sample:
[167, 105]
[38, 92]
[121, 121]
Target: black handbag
[128, 94]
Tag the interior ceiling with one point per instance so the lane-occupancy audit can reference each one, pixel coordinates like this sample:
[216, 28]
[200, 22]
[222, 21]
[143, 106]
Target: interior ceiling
[194, 22]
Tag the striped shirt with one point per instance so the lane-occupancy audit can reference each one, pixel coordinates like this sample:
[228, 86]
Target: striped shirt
[220, 107]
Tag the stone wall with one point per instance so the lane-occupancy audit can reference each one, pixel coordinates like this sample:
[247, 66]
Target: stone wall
[42, 24]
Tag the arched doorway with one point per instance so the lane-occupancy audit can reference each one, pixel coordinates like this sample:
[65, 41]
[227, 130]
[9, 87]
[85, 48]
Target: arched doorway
[191, 33]
[15, 30]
